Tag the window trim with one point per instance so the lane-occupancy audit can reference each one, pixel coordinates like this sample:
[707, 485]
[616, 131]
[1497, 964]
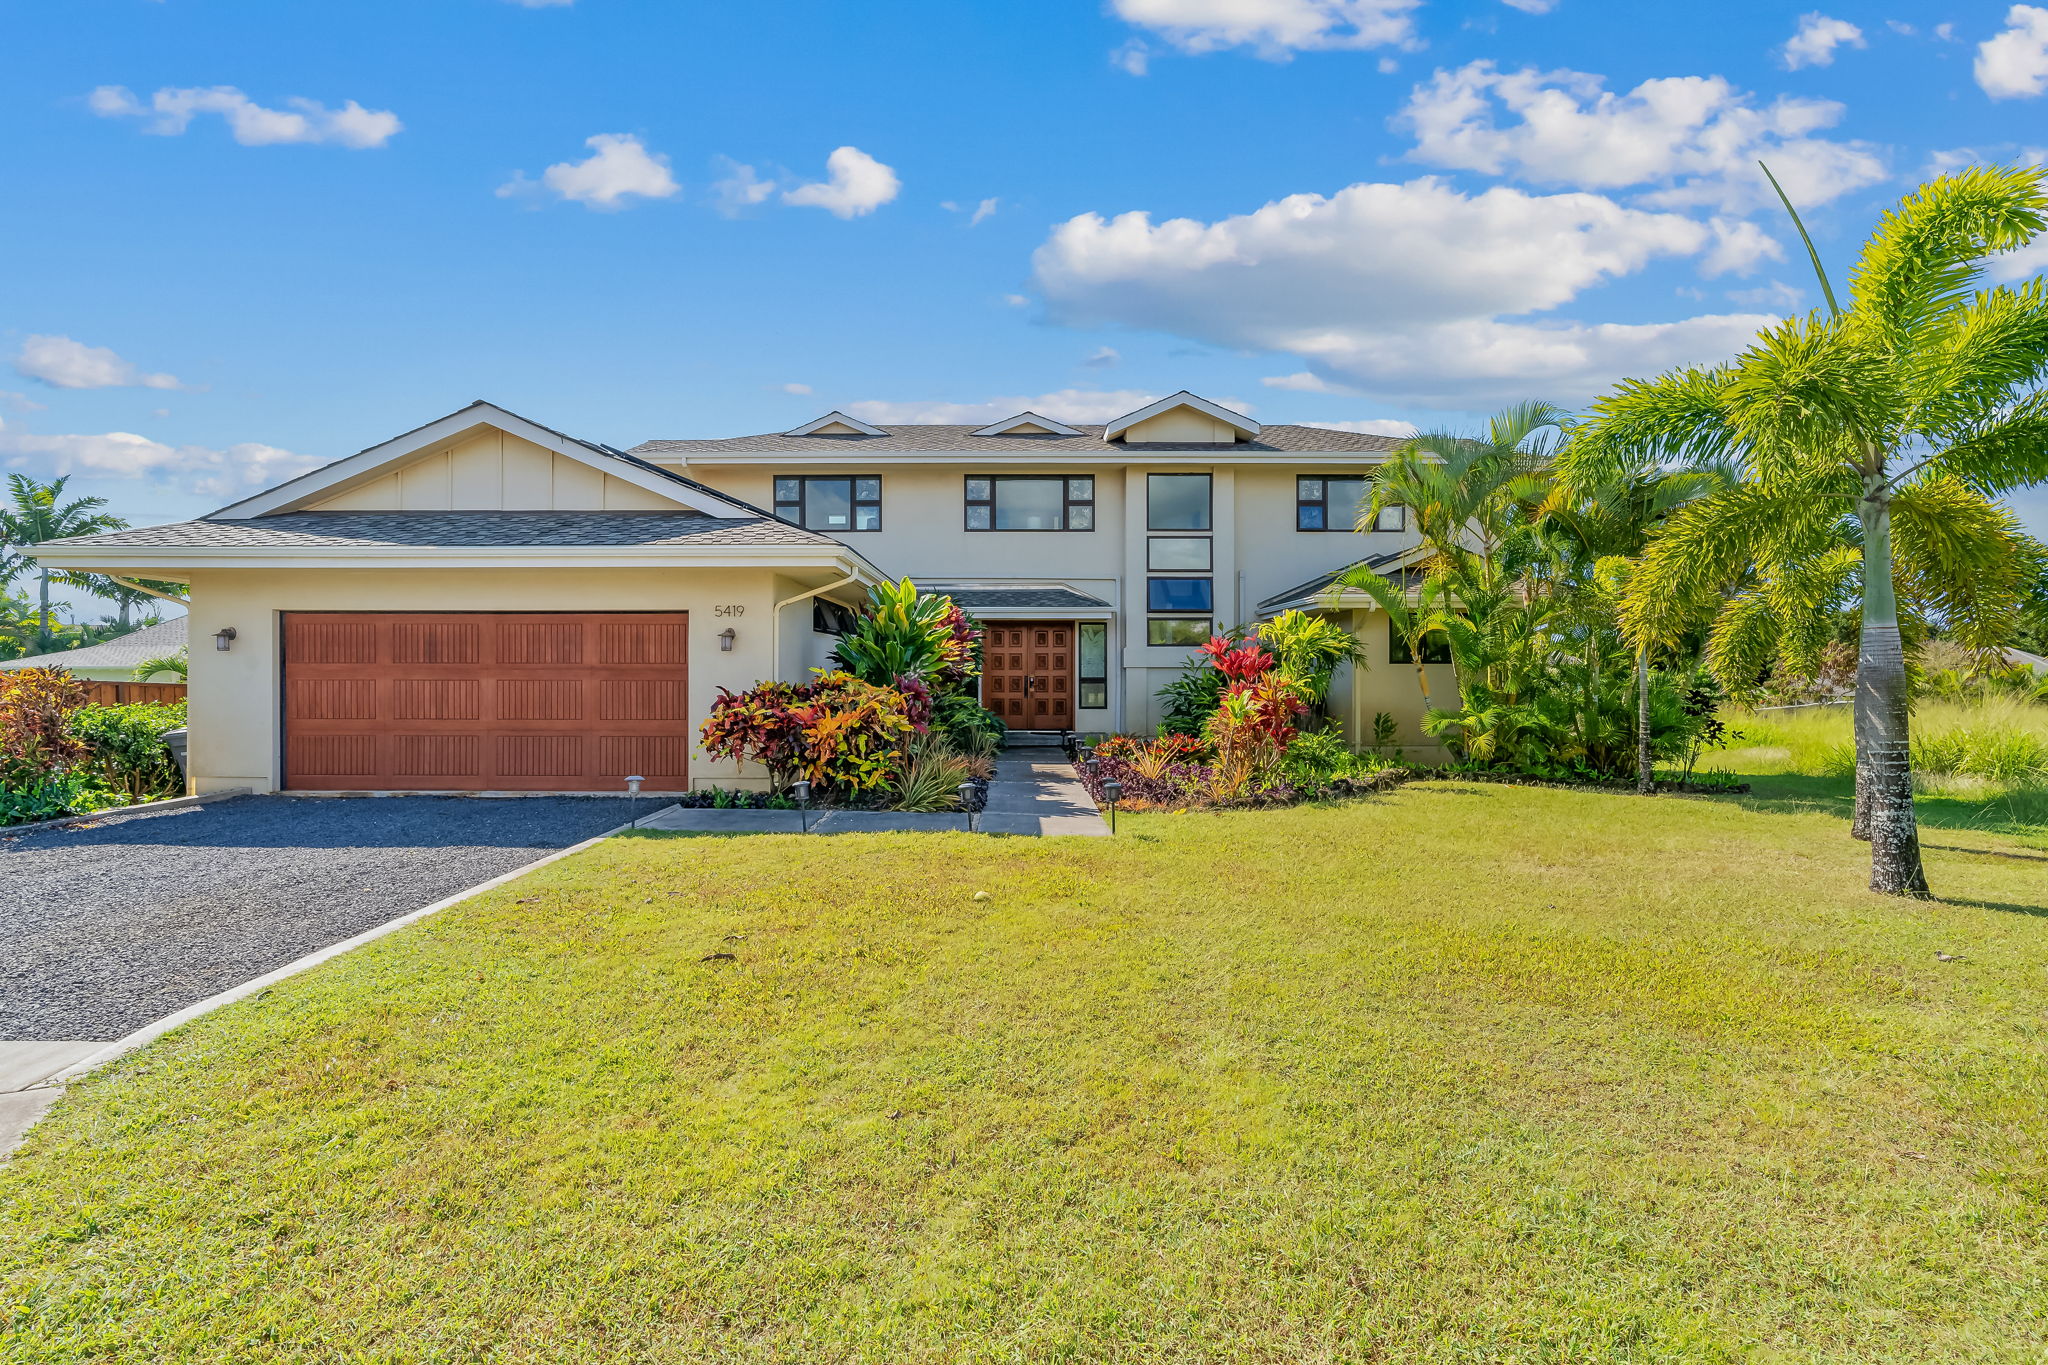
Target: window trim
[1208, 564]
[1084, 680]
[1433, 644]
[1068, 502]
[854, 502]
[1399, 512]
[1152, 581]
[1208, 622]
[1209, 511]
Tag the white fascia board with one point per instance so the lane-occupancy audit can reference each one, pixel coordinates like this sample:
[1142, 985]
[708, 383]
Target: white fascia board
[175, 562]
[1009, 424]
[1111, 457]
[829, 418]
[366, 464]
[1183, 399]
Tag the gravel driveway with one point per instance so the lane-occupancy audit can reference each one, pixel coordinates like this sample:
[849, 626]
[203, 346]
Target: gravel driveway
[106, 927]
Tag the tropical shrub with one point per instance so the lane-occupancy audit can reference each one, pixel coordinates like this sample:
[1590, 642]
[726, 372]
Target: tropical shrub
[855, 735]
[764, 725]
[907, 633]
[1309, 649]
[932, 779]
[35, 738]
[125, 749]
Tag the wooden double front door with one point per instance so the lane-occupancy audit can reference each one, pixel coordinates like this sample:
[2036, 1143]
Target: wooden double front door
[1027, 673]
[486, 701]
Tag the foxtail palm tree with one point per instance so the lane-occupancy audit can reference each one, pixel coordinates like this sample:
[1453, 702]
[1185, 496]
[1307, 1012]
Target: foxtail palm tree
[36, 512]
[1864, 410]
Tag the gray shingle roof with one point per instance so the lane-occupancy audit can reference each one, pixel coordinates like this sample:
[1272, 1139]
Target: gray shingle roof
[463, 530]
[1303, 591]
[1272, 440]
[1034, 599]
[123, 651]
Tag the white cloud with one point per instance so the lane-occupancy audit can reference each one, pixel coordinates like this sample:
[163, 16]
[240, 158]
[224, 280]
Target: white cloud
[856, 184]
[125, 455]
[618, 170]
[171, 112]
[1375, 426]
[982, 212]
[1816, 39]
[1902, 28]
[1413, 289]
[63, 363]
[1102, 358]
[740, 188]
[2031, 259]
[1273, 29]
[20, 402]
[2014, 64]
[1133, 58]
[1945, 32]
[1529, 7]
[1694, 140]
[1777, 296]
[796, 388]
[1017, 300]
[1064, 405]
[1301, 381]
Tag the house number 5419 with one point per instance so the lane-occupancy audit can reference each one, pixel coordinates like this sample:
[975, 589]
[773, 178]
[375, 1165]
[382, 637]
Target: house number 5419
[729, 609]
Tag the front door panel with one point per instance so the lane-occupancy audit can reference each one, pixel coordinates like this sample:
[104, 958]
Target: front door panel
[1027, 673]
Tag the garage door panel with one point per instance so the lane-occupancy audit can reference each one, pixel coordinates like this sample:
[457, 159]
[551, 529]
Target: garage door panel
[485, 701]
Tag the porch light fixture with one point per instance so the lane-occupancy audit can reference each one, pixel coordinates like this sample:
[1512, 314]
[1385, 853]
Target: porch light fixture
[223, 638]
[725, 639]
[801, 790]
[967, 803]
[1112, 792]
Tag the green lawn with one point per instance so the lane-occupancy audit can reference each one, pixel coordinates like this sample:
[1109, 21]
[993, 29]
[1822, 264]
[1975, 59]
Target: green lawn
[1464, 1073]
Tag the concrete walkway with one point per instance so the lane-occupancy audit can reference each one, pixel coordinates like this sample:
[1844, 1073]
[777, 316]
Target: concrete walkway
[23, 1069]
[1031, 796]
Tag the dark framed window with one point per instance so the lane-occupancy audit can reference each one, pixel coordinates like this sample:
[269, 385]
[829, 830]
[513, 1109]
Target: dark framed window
[1187, 632]
[1169, 553]
[830, 618]
[1436, 648]
[1177, 502]
[830, 505]
[1180, 594]
[1030, 502]
[1333, 504]
[1092, 665]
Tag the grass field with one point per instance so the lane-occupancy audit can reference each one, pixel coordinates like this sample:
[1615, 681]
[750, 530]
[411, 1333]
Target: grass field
[1464, 1073]
[1978, 765]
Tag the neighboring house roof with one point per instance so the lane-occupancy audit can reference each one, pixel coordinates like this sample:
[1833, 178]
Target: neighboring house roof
[1033, 599]
[2020, 656]
[461, 530]
[121, 653]
[1309, 594]
[962, 437]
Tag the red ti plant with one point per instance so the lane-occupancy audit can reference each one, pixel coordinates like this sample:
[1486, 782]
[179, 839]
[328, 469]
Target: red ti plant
[1239, 663]
[35, 738]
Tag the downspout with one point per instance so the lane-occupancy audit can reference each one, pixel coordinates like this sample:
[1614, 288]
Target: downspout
[775, 623]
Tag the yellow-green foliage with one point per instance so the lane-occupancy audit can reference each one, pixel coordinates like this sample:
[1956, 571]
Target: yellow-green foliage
[1462, 1074]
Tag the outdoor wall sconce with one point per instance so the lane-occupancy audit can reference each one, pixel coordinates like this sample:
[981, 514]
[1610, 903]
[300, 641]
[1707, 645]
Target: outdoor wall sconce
[802, 792]
[725, 639]
[1112, 792]
[223, 638]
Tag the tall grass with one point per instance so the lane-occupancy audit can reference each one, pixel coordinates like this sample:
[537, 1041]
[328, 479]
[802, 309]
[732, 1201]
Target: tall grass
[1992, 751]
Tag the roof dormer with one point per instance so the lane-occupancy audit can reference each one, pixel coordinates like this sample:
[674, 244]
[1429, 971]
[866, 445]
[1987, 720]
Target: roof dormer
[836, 424]
[1027, 424]
[1183, 419]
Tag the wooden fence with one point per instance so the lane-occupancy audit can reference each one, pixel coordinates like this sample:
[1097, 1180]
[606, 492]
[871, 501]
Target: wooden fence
[121, 693]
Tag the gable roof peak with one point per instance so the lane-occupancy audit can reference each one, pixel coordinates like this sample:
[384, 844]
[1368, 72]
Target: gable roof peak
[1244, 426]
[1041, 426]
[835, 418]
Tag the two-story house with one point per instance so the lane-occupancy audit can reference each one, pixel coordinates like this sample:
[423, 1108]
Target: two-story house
[486, 604]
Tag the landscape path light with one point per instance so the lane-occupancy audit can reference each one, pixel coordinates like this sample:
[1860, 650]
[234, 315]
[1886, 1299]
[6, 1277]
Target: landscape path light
[1112, 792]
[801, 790]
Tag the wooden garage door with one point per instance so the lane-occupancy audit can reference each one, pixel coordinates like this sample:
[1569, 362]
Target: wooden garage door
[486, 701]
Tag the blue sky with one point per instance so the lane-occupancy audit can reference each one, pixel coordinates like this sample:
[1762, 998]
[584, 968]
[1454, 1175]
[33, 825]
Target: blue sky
[245, 236]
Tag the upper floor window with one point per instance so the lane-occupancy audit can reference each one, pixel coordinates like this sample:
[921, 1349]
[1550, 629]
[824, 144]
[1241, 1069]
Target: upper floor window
[1177, 502]
[1030, 502]
[1325, 504]
[830, 504]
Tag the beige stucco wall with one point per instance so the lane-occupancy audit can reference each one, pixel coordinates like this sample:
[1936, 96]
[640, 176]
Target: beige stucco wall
[1391, 687]
[235, 696]
[1181, 424]
[492, 470]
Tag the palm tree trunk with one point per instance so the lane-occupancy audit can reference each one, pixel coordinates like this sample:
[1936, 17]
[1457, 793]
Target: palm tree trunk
[1646, 770]
[1884, 747]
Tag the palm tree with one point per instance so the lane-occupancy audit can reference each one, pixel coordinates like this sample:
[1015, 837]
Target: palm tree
[1411, 622]
[1923, 376]
[176, 664]
[1608, 512]
[35, 512]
